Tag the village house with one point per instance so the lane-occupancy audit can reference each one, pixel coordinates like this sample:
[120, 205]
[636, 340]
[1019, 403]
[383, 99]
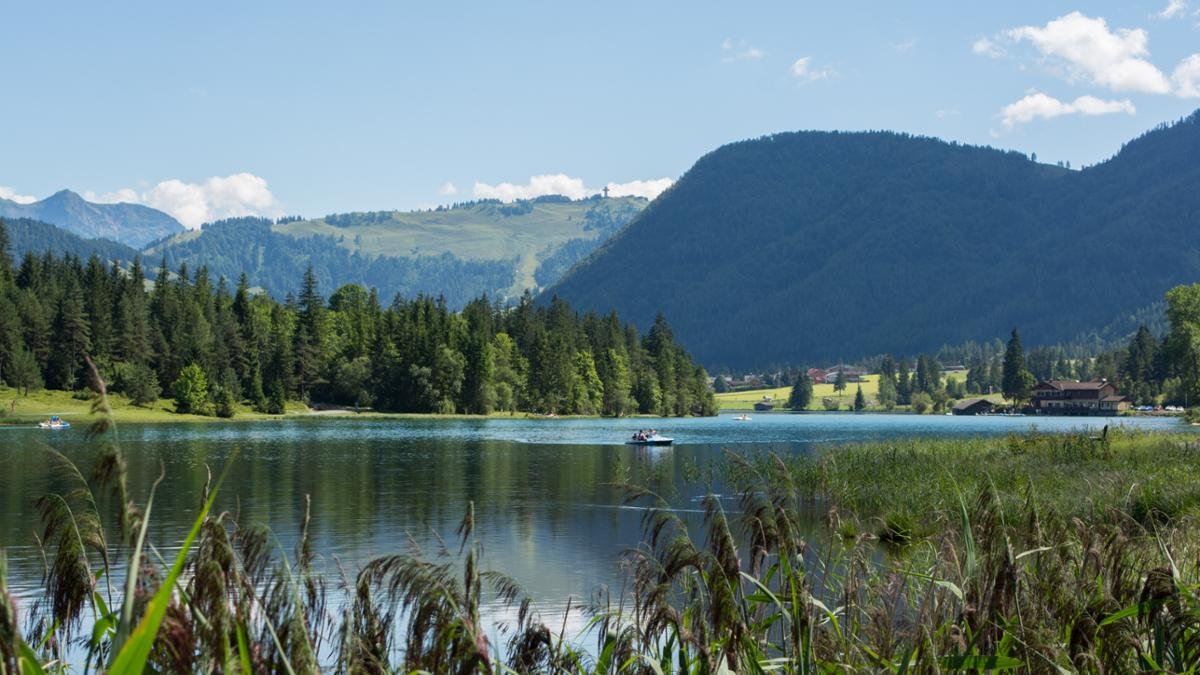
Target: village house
[845, 374]
[1068, 397]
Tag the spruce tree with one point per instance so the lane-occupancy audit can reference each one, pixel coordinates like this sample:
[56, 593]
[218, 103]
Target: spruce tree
[1017, 380]
[71, 342]
[922, 375]
[1139, 366]
[802, 392]
[903, 383]
[860, 401]
[310, 332]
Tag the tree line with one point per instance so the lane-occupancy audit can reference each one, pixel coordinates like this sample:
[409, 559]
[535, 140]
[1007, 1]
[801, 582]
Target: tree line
[213, 347]
[1150, 370]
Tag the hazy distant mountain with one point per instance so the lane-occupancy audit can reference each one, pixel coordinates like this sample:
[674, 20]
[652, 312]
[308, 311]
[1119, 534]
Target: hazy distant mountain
[131, 224]
[459, 252]
[815, 246]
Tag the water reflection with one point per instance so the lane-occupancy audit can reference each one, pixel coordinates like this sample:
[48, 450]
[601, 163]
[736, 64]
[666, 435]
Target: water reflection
[546, 492]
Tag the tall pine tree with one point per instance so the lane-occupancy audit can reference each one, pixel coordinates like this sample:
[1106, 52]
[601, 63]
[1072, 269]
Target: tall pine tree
[1017, 380]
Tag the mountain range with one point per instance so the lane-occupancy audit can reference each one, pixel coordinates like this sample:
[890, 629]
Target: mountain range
[801, 246]
[824, 245]
[130, 224]
[457, 252]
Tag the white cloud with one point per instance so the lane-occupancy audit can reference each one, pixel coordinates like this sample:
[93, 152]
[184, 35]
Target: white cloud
[1038, 105]
[640, 188]
[193, 204]
[124, 195]
[987, 47]
[1187, 77]
[802, 69]
[11, 195]
[567, 186]
[538, 186]
[740, 51]
[1173, 10]
[945, 113]
[448, 189]
[1092, 52]
[905, 46]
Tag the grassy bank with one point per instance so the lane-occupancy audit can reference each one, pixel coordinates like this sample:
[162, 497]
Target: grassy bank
[17, 408]
[1038, 553]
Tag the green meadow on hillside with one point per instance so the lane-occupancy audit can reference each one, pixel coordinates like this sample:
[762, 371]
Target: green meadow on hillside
[529, 231]
[745, 400]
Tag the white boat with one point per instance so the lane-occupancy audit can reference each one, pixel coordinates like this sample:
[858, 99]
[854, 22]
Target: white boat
[742, 418]
[55, 422]
[651, 439]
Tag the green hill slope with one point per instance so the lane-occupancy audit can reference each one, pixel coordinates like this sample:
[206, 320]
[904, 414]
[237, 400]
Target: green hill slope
[530, 232]
[458, 252]
[816, 246]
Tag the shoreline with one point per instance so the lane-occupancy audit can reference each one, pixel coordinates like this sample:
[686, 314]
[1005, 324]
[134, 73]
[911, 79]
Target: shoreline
[29, 410]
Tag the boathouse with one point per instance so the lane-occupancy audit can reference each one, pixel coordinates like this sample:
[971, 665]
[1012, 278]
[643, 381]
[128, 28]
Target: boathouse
[972, 406]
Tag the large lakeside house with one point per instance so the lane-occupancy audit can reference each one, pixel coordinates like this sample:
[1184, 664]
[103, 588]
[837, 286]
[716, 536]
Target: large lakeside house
[1069, 397]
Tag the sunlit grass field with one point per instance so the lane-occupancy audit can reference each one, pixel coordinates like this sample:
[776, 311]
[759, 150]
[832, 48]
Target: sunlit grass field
[17, 408]
[745, 400]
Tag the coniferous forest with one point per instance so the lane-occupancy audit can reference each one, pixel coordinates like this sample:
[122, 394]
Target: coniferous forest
[212, 345]
[830, 244]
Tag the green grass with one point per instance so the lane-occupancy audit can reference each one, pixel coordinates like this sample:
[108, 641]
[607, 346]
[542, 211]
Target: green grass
[16, 408]
[1077, 475]
[745, 400]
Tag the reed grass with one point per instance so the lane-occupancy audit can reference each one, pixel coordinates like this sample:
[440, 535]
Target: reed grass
[1032, 553]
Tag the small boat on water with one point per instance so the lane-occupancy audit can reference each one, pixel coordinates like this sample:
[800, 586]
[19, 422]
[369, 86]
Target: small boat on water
[55, 422]
[650, 437]
[742, 418]
[651, 440]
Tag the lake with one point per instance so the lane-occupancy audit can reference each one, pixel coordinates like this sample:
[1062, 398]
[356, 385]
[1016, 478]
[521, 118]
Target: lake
[547, 512]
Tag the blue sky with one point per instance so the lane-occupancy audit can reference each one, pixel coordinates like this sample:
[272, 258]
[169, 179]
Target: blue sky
[215, 109]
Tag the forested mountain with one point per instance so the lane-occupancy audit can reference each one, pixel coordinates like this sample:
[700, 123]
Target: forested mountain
[212, 344]
[459, 252]
[814, 246]
[38, 238]
[273, 261]
[131, 224]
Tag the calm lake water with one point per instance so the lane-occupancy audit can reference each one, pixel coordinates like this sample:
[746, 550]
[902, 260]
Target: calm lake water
[547, 512]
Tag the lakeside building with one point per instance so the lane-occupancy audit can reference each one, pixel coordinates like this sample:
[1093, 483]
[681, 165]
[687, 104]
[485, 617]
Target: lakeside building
[767, 403]
[1069, 397]
[973, 406]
